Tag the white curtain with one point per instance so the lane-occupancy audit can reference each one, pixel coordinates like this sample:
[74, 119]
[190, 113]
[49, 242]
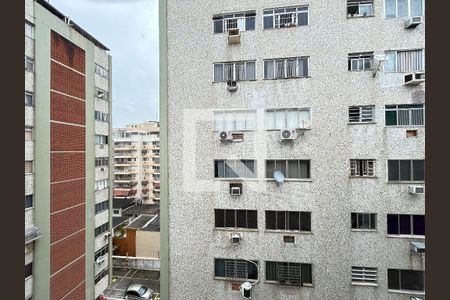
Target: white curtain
[218, 121]
[218, 72]
[280, 119]
[250, 123]
[390, 63]
[239, 120]
[268, 69]
[270, 119]
[292, 118]
[241, 24]
[229, 120]
[250, 70]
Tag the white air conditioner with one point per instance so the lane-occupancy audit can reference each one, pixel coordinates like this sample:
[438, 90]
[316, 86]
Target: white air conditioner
[232, 85]
[106, 235]
[413, 22]
[416, 189]
[100, 259]
[226, 136]
[100, 95]
[414, 78]
[304, 125]
[102, 169]
[235, 238]
[100, 146]
[234, 36]
[288, 134]
[235, 191]
[418, 247]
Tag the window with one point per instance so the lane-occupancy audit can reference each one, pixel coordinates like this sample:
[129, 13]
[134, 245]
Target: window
[29, 30]
[286, 118]
[244, 21]
[101, 161]
[101, 252]
[101, 71]
[235, 120]
[289, 273]
[101, 275]
[28, 201]
[101, 229]
[28, 133]
[362, 167]
[29, 98]
[292, 168]
[405, 115]
[101, 94]
[360, 61]
[285, 17]
[101, 139]
[29, 64]
[235, 269]
[366, 221]
[28, 167]
[288, 220]
[101, 116]
[357, 8]
[405, 61]
[236, 218]
[238, 71]
[406, 280]
[364, 275]
[116, 211]
[403, 8]
[412, 225]
[361, 114]
[28, 270]
[101, 184]
[284, 68]
[406, 170]
[233, 168]
[102, 206]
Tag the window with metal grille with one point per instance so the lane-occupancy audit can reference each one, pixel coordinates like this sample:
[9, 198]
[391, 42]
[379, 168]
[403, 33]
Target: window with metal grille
[403, 8]
[358, 8]
[405, 115]
[288, 220]
[29, 30]
[101, 184]
[286, 17]
[101, 252]
[101, 139]
[244, 21]
[235, 269]
[101, 161]
[101, 275]
[285, 68]
[291, 168]
[360, 61]
[232, 168]
[362, 167]
[361, 114]
[101, 229]
[409, 225]
[28, 201]
[405, 61]
[29, 64]
[101, 116]
[101, 71]
[364, 221]
[102, 206]
[29, 98]
[406, 170]
[286, 118]
[235, 120]
[406, 280]
[364, 275]
[236, 218]
[234, 71]
[28, 270]
[289, 273]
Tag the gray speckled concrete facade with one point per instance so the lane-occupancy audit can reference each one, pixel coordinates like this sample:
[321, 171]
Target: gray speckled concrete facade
[331, 195]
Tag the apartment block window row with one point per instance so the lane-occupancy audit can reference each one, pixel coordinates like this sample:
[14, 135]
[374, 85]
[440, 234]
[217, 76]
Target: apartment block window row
[362, 167]
[28, 167]
[364, 275]
[29, 30]
[288, 220]
[237, 71]
[101, 139]
[101, 252]
[241, 20]
[102, 206]
[285, 68]
[101, 71]
[236, 120]
[233, 168]
[101, 116]
[29, 201]
[409, 225]
[289, 273]
[29, 98]
[101, 94]
[101, 229]
[236, 218]
[235, 269]
[406, 170]
[101, 161]
[291, 168]
[101, 275]
[403, 8]
[361, 114]
[101, 184]
[28, 270]
[358, 8]
[404, 60]
[405, 115]
[366, 221]
[406, 280]
[28, 133]
[29, 64]
[285, 17]
[277, 119]
[360, 61]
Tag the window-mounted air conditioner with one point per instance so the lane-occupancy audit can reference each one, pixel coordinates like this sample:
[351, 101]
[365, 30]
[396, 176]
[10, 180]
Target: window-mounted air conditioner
[100, 259]
[235, 238]
[100, 146]
[413, 22]
[288, 134]
[414, 78]
[418, 247]
[234, 36]
[232, 85]
[416, 189]
[235, 189]
[106, 235]
[100, 95]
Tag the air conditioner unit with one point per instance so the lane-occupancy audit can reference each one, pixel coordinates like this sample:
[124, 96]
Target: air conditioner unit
[413, 22]
[234, 36]
[414, 78]
[235, 189]
[304, 125]
[288, 134]
[232, 85]
[101, 146]
[100, 95]
[225, 135]
[235, 238]
[106, 235]
[418, 247]
[100, 259]
[416, 189]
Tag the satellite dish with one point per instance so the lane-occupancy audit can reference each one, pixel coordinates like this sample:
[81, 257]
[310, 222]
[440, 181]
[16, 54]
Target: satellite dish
[279, 177]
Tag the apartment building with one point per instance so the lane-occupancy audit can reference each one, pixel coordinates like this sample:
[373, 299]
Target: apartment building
[136, 162]
[292, 149]
[67, 155]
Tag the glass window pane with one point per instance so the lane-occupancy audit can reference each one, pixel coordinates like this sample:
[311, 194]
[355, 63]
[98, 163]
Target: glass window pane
[250, 23]
[218, 27]
[402, 8]
[281, 220]
[219, 267]
[393, 279]
[303, 115]
[270, 168]
[230, 218]
[293, 169]
[373, 221]
[302, 19]
[416, 8]
[294, 220]
[418, 170]
[304, 169]
[250, 71]
[239, 71]
[268, 22]
[271, 219]
[280, 119]
[419, 225]
[292, 118]
[241, 169]
[306, 273]
[252, 219]
[250, 169]
[250, 120]
[405, 170]
[219, 169]
[268, 69]
[304, 72]
[228, 72]
[405, 224]
[391, 118]
[228, 120]
[392, 224]
[411, 280]
[252, 271]
[219, 218]
[271, 271]
[305, 221]
[241, 218]
[218, 72]
[389, 64]
[354, 220]
[280, 165]
[270, 120]
[366, 221]
[365, 9]
[393, 170]
[218, 121]
[239, 120]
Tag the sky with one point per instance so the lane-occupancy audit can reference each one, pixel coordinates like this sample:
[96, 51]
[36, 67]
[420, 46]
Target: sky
[129, 28]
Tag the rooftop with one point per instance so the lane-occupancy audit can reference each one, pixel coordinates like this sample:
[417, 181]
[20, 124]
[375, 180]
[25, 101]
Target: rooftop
[117, 221]
[122, 203]
[143, 221]
[149, 209]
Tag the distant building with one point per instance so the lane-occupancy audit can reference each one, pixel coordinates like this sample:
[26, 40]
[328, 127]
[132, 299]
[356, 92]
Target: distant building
[136, 162]
[67, 157]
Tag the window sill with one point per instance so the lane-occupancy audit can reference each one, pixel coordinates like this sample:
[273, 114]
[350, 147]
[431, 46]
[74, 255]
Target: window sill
[364, 177]
[305, 77]
[235, 279]
[405, 182]
[406, 126]
[361, 123]
[292, 285]
[370, 70]
[360, 17]
[29, 208]
[406, 292]
[233, 229]
[298, 232]
[291, 180]
[404, 236]
[364, 230]
[286, 27]
[365, 284]
[236, 179]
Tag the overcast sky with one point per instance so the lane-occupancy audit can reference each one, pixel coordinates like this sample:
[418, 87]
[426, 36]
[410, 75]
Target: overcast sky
[129, 28]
